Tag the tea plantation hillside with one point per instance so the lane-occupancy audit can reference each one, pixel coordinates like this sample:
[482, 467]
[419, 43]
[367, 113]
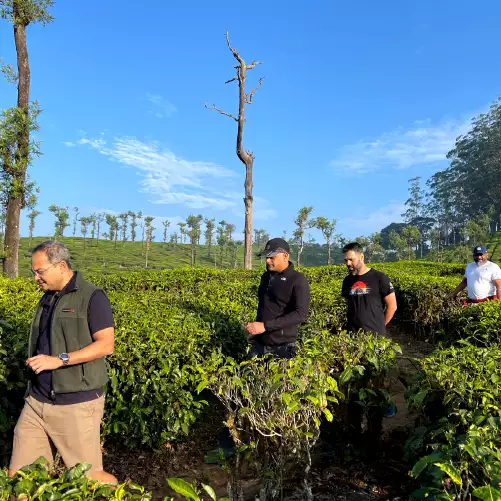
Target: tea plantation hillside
[106, 257]
[180, 345]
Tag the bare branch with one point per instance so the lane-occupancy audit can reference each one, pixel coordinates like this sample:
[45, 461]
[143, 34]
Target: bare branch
[250, 95]
[213, 108]
[232, 80]
[252, 65]
[236, 55]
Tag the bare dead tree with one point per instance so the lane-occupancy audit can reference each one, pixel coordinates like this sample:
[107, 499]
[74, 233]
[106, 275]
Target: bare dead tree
[246, 157]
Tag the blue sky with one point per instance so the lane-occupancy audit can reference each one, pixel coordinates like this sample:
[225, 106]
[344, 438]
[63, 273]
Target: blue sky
[358, 97]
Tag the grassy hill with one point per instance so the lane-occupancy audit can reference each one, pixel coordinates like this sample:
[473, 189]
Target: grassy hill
[104, 257]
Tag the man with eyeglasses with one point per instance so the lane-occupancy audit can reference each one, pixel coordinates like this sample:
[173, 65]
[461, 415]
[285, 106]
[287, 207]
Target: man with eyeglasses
[72, 332]
[482, 278]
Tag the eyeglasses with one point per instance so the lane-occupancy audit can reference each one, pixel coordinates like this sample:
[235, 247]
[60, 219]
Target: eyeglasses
[42, 272]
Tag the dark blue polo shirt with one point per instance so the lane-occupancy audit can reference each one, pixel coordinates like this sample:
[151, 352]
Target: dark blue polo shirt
[99, 316]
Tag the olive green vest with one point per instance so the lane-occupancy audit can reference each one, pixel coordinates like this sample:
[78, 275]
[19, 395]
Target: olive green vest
[70, 332]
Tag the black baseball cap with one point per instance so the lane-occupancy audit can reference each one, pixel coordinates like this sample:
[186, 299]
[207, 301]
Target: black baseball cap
[479, 250]
[275, 246]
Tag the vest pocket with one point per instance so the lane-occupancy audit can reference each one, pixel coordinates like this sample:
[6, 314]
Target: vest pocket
[82, 370]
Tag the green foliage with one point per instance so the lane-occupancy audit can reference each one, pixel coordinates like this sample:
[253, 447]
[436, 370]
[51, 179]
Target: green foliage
[273, 410]
[36, 483]
[26, 11]
[16, 122]
[459, 390]
[62, 220]
[479, 323]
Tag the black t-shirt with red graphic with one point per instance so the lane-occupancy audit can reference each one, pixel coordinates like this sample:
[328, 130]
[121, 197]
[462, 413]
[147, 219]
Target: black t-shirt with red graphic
[365, 295]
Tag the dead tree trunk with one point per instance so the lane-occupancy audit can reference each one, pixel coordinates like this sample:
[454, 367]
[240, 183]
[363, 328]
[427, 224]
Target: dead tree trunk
[16, 198]
[246, 157]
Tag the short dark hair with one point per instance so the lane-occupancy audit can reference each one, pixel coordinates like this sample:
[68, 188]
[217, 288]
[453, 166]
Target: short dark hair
[353, 246]
[56, 252]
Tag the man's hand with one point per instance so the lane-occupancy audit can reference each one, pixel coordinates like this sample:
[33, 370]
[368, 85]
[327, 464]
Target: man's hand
[44, 363]
[255, 328]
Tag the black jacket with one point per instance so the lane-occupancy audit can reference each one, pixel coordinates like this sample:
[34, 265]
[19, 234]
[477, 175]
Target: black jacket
[284, 302]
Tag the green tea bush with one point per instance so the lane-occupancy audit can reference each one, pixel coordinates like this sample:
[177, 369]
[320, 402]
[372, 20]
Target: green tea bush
[273, 413]
[479, 323]
[36, 483]
[169, 323]
[459, 391]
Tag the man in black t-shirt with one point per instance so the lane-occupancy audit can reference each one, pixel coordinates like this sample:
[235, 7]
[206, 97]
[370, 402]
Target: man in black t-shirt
[371, 306]
[369, 293]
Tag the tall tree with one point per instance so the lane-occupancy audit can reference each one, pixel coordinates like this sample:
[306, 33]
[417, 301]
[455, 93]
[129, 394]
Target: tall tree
[415, 214]
[414, 203]
[374, 250]
[222, 239]
[182, 230]
[234, 245]
[230, 229]
[435, 239]
[209, 233]
[173, 239]
[32, 215]
[148, 231]
[412, 236]
[166, 224]
[124, 217]
[133, 225]
[475, 169]
[398, 244]
[97, 220]
[112, 223]
[303, 223]
[84, 228]
[193, 223]
[327, 228]
[246, 157]
[62, 215]
[92, 222]
[139, 216]
[16, 148]
[261, 237]
[75, 220]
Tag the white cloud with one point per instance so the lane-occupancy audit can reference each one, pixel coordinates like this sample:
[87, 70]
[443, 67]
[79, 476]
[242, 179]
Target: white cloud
[98, 144]
[372, 221]
[423, 143]
[166, 108]
[168, 178]
[69, 144]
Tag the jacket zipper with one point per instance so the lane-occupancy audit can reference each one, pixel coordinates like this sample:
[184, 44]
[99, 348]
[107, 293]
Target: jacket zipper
[52, 393]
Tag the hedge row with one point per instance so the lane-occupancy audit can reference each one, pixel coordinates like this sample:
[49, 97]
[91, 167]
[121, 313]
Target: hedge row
[169, 323]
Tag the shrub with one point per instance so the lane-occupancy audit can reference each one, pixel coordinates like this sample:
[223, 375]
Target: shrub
[273, 413]
[479, 323]
[459, 390]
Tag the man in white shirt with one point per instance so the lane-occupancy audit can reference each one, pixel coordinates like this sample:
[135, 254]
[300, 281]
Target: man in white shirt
[482, 278]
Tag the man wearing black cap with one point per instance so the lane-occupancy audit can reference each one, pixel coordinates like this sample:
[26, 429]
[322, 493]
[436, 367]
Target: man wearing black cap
[482, 278]
[284, 301]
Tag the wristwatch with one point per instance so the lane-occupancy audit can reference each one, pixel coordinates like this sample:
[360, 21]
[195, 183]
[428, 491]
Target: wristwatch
[64, 357]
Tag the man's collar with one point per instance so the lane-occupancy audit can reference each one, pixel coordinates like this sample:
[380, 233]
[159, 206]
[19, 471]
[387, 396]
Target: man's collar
[70, 286]
[287, 270]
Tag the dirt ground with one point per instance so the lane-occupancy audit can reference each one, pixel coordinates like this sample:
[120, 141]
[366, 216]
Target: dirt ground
[330, 479]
